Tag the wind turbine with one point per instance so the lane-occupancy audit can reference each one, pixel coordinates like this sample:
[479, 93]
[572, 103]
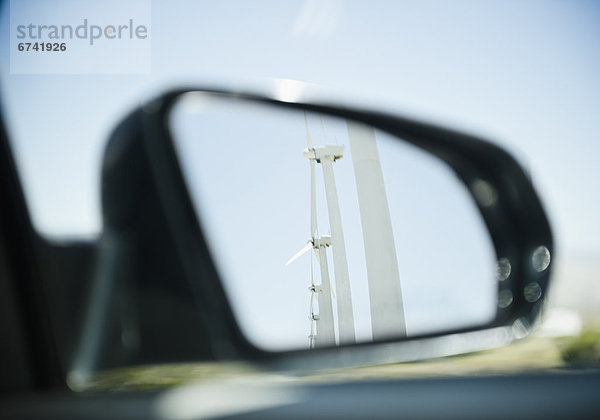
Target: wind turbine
[385, 294]
[326, 155]
[324, 336]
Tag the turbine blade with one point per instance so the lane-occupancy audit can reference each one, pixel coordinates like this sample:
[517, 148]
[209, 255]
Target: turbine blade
[309, 141]
[299, 253]
[313, 202]
[330, 283]
[312, 275]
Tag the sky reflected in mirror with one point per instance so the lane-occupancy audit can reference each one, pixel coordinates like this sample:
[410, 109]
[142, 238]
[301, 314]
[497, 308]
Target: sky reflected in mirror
[251, 186]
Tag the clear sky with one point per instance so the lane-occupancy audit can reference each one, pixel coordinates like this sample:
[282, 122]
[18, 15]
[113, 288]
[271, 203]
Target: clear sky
[524, 74]
[251, 187]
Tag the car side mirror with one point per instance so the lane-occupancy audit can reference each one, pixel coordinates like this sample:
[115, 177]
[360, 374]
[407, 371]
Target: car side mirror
[405, 231]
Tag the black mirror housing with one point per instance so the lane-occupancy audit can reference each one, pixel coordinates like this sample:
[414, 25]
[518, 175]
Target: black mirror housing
[147, 211]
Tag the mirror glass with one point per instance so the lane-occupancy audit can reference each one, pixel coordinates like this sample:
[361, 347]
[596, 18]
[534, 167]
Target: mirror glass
[327, 231]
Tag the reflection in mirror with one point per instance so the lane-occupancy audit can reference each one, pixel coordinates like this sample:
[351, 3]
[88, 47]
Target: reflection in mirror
[326, 231]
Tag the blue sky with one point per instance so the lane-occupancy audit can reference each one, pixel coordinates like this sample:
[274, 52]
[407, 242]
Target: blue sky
[524, 74]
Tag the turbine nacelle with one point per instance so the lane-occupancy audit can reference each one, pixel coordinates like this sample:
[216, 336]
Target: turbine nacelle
[330, 152]
[323, 241]
[315, 288]
[315, 243]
